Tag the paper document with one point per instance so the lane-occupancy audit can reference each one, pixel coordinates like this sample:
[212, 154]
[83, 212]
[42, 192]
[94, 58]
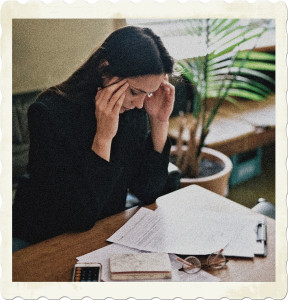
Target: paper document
[143, 231]
[194, 233]
[103, 256]
[212, 231]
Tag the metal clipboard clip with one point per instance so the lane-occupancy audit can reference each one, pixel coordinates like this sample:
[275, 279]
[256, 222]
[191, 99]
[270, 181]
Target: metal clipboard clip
[261, 230]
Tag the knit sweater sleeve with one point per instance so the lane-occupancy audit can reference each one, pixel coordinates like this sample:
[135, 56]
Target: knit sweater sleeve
[71, 187]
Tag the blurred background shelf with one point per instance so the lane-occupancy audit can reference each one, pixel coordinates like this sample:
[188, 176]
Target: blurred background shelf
[263, 185]
[237, 128]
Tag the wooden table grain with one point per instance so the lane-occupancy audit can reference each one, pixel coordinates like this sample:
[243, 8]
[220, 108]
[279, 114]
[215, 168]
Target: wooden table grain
[53, 260]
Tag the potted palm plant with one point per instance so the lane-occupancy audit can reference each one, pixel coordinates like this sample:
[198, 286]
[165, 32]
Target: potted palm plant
[225, 72]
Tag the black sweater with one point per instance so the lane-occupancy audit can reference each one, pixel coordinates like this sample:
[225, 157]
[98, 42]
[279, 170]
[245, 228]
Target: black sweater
[71, 187]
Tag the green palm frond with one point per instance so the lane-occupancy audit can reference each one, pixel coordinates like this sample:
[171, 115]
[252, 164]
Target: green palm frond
[256, 56]
[225, 72]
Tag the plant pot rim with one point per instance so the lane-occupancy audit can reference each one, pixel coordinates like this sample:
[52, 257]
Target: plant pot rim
[227, 163]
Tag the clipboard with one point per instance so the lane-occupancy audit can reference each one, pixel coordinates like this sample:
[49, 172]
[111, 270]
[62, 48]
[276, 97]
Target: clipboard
[261, 238]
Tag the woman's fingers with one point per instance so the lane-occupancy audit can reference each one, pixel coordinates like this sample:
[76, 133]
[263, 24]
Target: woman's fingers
[116, 96]
[118, 104]
[171, 88]
[108, 102]
[111, 97]
[100, 101]
[111, 89]
[168, 87]
[104, 95]
[114, 80]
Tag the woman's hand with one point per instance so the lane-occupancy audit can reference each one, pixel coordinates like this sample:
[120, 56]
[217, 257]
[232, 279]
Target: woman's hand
[108, 103]
[159, 108]
[160, 105]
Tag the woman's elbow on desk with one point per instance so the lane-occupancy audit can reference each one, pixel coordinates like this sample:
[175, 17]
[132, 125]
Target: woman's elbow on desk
[80, 221]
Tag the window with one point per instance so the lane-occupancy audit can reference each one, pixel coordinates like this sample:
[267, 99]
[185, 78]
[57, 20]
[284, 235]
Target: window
[186, 38]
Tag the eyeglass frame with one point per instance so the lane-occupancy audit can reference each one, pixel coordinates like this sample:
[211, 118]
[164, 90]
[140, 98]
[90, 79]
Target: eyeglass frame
[202, 266]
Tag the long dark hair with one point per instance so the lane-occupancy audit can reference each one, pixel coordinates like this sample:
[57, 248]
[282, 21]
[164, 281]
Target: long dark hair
[130, 51]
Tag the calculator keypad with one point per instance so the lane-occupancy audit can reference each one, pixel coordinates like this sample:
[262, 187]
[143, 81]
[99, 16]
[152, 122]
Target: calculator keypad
[86, 274]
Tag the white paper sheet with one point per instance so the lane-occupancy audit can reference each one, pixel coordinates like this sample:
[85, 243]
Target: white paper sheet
[197, 232]
[245, 244]
[103, 255]
[143, 231]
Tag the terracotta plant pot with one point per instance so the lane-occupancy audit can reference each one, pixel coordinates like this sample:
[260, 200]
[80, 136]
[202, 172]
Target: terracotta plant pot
[218, 182]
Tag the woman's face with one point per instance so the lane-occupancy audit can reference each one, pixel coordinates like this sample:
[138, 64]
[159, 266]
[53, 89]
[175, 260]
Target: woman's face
[139, 88]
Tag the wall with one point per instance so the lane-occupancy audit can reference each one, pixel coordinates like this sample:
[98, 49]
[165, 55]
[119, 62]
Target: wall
[47, 51]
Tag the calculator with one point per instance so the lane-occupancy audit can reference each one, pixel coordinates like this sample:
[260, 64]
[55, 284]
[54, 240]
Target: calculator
[87, 272]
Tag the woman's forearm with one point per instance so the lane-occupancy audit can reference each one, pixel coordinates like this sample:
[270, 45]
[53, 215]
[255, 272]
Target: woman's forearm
[159, 132]
[102, 147]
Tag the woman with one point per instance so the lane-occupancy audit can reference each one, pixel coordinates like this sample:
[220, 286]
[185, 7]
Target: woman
[89, 142]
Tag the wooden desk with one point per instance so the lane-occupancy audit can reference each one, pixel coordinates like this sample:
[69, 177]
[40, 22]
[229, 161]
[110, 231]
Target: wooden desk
[34, 263]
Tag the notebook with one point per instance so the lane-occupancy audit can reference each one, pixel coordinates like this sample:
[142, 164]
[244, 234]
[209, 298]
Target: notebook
[138, 266]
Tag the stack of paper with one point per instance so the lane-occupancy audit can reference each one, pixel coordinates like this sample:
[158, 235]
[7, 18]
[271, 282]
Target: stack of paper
[197, 233]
